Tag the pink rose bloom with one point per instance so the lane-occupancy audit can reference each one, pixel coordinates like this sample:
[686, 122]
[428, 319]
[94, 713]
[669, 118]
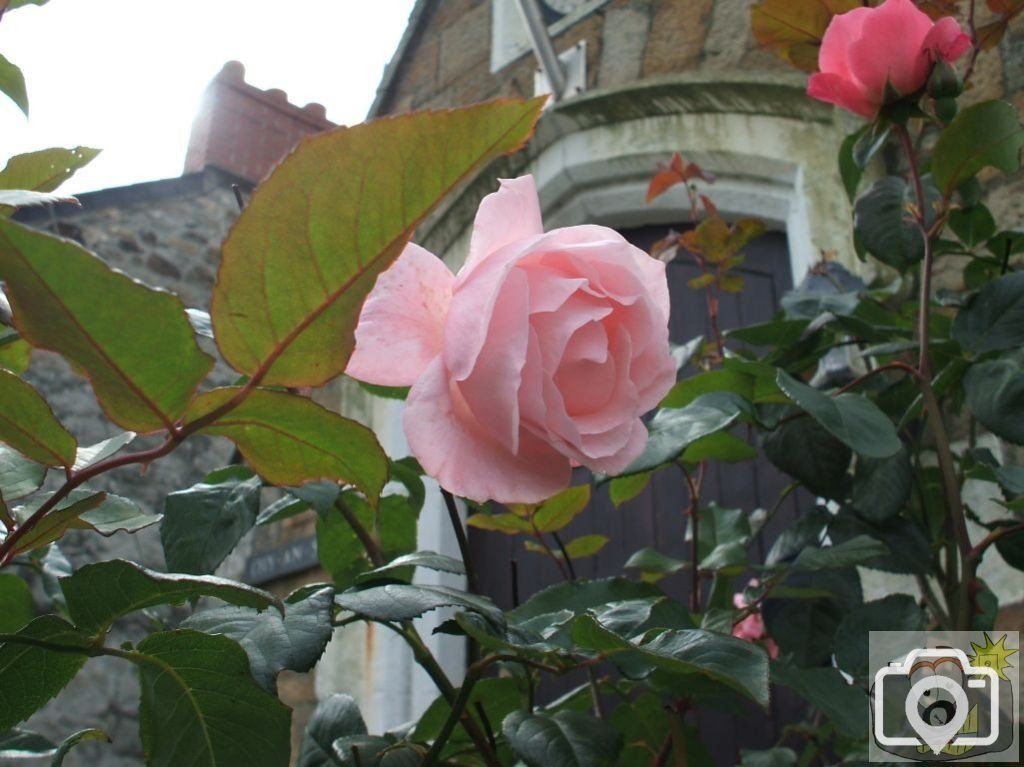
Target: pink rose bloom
[752, 629]
[865, 48]
[541, 354]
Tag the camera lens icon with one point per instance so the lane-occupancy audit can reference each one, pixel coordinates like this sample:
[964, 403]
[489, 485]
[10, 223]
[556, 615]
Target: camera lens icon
[937, 704]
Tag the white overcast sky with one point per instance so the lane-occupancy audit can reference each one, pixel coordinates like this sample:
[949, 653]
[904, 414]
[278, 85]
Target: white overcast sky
[127, 76]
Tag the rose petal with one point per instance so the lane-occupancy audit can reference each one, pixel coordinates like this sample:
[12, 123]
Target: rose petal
[452, 447]
[843, 92]
[841, 33]
[947, 39]
[491, 389]
[401, 324]
[506, 216]
[889, 48]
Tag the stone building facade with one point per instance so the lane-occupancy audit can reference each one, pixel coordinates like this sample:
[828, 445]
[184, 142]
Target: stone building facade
[658, 76]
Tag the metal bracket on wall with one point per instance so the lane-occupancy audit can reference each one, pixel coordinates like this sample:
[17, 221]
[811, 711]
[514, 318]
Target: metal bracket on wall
[574, 73]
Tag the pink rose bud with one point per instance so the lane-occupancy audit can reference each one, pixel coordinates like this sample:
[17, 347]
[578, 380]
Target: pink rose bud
[541, 354]
[866, 50]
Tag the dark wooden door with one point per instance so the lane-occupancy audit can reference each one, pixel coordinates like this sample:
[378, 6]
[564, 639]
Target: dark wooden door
[656, 518]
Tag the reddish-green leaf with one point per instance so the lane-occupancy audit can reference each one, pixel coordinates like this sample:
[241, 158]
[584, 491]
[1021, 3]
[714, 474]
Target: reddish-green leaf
[794, 28]
[309, 246]
[985, 134]
[586, 546]
[29, 426]
[289, 440]
[45, 170]
[134, 343]
[509, 524]
[12, 83]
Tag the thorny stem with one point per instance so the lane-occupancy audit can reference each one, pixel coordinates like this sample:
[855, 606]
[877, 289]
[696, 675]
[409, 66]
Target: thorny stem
[975, 47]
[429, 664]
[923, 315]
[562, 569]
[951, 484]
[976, 553]
[565, 555]
[460, 536]
[372, 546]
[693, 486]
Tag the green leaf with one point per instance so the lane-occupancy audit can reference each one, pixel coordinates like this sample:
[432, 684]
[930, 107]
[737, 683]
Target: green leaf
[289, 439]
[297, 267]
[774, 757]
[283, 508]
[93, 454]
[77, 738]
[100, 593]
[849, 170]
[1011, 548]
[563, 739]
[995, 395]
[844, 704]
[24, 744]
[852, 418]
[778, 332]
[687, 390]
[881, 486]
[883, 223]
[29, 426]
[18, 475]
[644, 726]
[15, 354]
[981, 135]
[102, 513]
[973, 225]
[425, 559]
[579, 596]
[725, 659]
[200, 706]
[586, 546]
[12, 83]
[560, 509]
[909, 547]
[720, 446]
[994, 320]
[16, 605]
[723, 539]
[672, 430]
[335, 717]
[896, 612]
[144, 372]
[204, 523]
[858, 550]
[30, 675]
[653, 564]
[401, 601]
[807, 451]
[376, 751]
[45, 170]
[52, 526]
[622, 489]
[295, 641]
